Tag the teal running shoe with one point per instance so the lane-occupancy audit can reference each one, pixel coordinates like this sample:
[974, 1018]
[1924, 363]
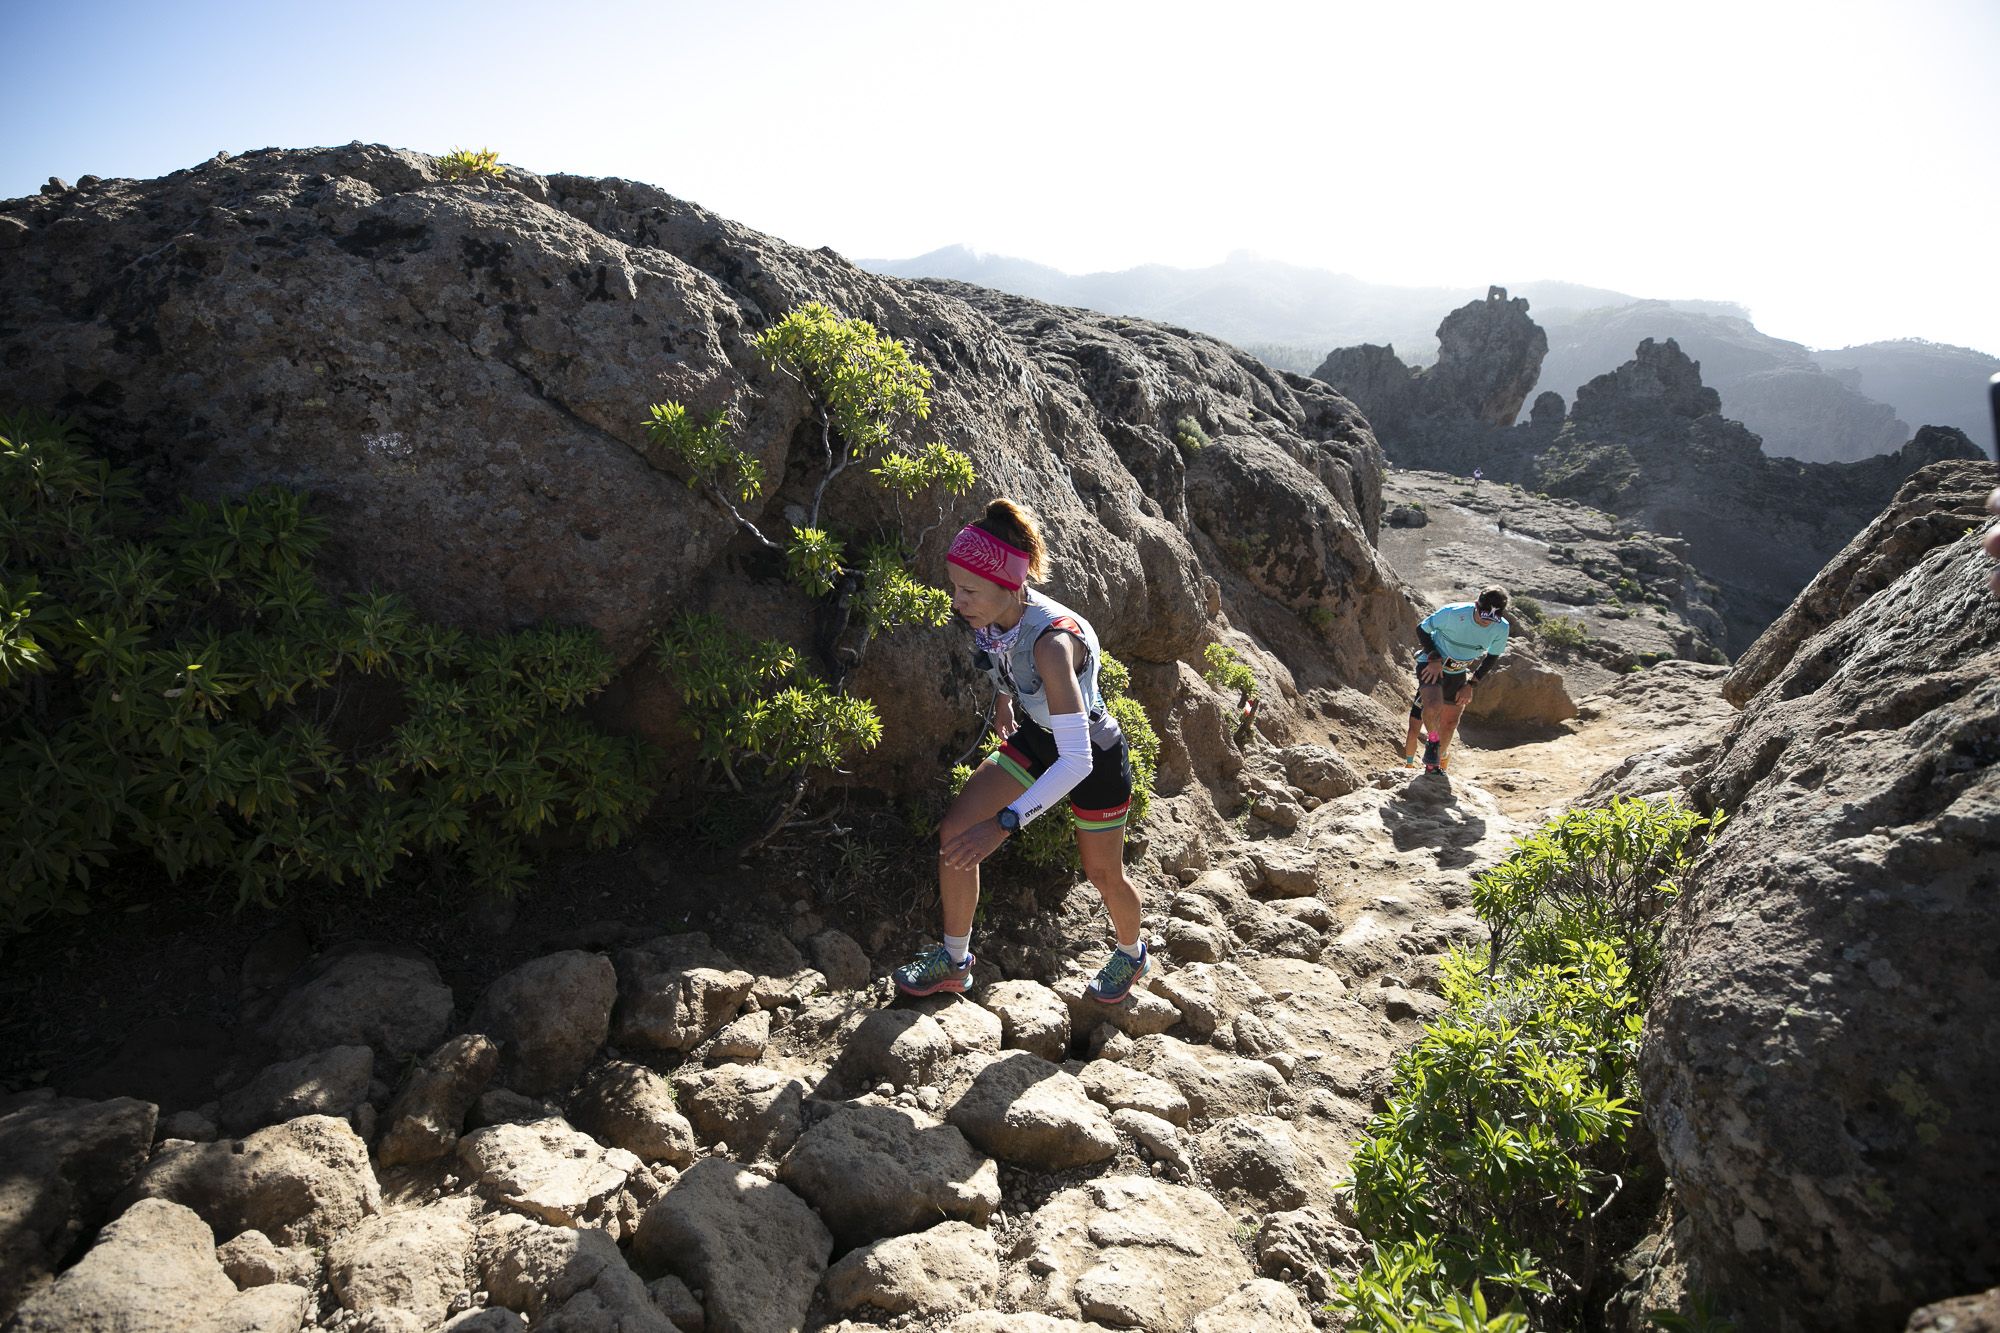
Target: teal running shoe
[1114, 981]
[933, 973]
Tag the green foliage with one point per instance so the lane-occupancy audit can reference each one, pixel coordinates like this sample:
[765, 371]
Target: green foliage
[466, 164]
[1526, 610]
[1228, 671]
[869, 385]
[1563, 634]
[177, 689]
[1505, 1125]
[1630, 589]
[1189, 435]
[936, 464]
[892, 597]
[1604, 873]
[1400, 1292]
[813, 560]
[703, 448]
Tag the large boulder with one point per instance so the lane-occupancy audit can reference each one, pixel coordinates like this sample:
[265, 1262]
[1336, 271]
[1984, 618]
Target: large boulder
[548, 1171]
[563, 1278]
[930, 1275]
[751, 1247]
[303, 1182]
[629, 1106]
[155, 1268]
[549, 1016]
[62, 1161]
[382, 996]
[758, 1112]
[872, 1171]
[1821, 1065]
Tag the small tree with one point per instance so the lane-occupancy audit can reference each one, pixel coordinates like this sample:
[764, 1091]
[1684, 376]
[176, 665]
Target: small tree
[867, 392]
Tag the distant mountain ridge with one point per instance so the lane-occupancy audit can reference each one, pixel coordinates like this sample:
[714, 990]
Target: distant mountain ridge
[1819, 406]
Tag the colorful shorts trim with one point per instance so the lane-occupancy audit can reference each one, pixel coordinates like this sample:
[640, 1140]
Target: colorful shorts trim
[1103, 800]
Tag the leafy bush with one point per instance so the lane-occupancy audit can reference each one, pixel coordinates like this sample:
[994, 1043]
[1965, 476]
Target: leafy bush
[1604, 873]
[1505, 1127]
[185, 690]
[1228, 671]
[465, 164]
[867, 390]
[1189, 435]
[1526, 610]
[1563, 634]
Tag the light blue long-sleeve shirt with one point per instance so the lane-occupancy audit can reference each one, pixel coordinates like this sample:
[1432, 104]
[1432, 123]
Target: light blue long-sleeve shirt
[1461, 637]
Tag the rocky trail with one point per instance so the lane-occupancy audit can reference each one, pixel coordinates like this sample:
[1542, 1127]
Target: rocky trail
[664, 1133]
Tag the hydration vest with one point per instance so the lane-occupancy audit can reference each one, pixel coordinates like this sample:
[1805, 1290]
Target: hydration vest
[1014, 671]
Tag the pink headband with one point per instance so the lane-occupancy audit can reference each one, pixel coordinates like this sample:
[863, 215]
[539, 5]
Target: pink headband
[979, 551]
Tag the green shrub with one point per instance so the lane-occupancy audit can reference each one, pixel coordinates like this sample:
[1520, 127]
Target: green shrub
[1228, 671]
[1504, 1133]
[465, 164]
[1604, 873]
[1526, 610]
[1189, 435]
[1563, 634]
[182, 690]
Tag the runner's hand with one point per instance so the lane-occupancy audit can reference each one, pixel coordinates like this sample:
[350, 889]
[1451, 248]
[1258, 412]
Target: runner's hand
[974, 845]
[1430, 672]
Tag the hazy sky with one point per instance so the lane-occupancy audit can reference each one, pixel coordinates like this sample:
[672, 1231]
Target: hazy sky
[1834, 166]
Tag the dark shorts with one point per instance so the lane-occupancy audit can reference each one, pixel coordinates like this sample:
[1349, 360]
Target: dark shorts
[1103, 800]
[1450, 682]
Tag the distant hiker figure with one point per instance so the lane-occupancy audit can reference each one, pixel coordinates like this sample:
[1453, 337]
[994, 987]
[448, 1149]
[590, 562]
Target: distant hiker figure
[1457, 646]
[1060, 741]
[1477, 475]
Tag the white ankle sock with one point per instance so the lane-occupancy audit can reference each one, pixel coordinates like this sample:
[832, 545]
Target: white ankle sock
[958, 946]
[1133, 950]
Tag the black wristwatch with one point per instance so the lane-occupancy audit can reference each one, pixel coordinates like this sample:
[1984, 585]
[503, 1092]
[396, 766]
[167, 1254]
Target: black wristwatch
[1009, 819]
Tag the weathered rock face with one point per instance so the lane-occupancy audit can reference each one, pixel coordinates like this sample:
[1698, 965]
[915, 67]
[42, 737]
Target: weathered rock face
[1933, 507]
[1489, 356]
[1820, 1069]
[61, 1162]
[459, 373]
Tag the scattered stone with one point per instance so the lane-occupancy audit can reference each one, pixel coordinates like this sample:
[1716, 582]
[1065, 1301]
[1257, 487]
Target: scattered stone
[743, 1039]
[967, 1025]
[1108, 1043]
[929, 1274]
[676, 991]
[873, 1171]
[549, 1016]
[1159, 1138]
[1260, 1304]
[187, 1126]
[1122, 1088]
[330, 1083]
[1259, 1160]
[1306, 1246]
[1215, 1084]
[1033, 1018]
[843, 962]
[677, 1303]
[251, 1260]
[1194, 942]
[757, 1112]
[1979, 1313]
[412, 1261]
[629, 1106]
[1141, 1013]
[752, 1247]
[1024, 1110]
[424, 1121]
[1209, 995]
[62, 1162]
[489, 1319]
[304, 1182]
[898, 1046]
[563, 1278]
[549, 1171]
[383, 996]
[1286, 870]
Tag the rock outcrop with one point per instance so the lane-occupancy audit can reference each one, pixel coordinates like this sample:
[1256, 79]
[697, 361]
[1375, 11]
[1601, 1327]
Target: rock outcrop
[1648, 443]
[1821, 1064]
[1489, 357]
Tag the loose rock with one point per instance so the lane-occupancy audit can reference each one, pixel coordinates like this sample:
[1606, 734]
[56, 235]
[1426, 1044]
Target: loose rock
[548, 1016]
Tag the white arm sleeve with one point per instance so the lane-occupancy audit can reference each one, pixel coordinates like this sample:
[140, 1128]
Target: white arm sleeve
[1072, 765]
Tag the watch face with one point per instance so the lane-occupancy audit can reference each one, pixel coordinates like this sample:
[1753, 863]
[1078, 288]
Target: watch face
[1009, 820]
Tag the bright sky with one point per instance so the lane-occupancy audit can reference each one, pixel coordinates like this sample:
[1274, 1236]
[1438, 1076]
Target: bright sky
[1830, 165]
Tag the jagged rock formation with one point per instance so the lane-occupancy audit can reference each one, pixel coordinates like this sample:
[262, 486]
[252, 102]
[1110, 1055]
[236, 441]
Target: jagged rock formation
[1648, 443]
[1489, 357]
[459, 373]
[1821, 1065]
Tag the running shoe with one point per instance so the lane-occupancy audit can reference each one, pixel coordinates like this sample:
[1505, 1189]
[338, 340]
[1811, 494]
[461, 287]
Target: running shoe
[933, 973]
[1114, 981]
[1430, 754]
